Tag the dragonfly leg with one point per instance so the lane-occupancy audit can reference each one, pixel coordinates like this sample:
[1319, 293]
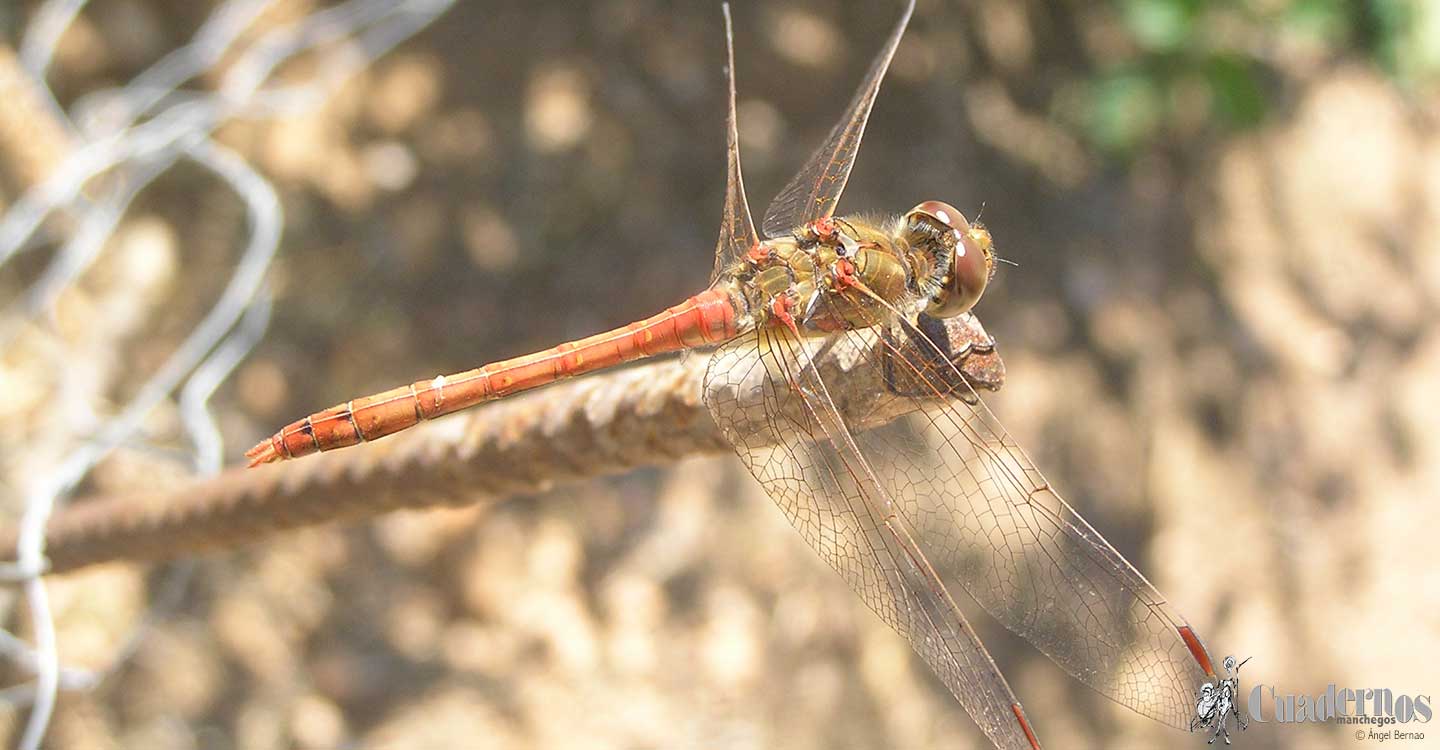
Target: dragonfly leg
[937, 347]
[781, 310]
[844, 275]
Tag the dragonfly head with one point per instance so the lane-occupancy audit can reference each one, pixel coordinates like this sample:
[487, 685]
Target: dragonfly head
[965, 258]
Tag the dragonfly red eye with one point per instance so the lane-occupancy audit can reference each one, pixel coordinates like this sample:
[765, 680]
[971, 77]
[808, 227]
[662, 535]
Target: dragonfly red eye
[970, 263]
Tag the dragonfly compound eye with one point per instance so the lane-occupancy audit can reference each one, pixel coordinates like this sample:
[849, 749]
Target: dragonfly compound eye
[969, 260]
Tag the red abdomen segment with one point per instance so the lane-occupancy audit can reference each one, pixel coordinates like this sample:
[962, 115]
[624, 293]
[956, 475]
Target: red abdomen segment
[706, 318]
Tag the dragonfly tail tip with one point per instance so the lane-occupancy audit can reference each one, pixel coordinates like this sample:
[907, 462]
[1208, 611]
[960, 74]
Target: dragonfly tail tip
[262, 453]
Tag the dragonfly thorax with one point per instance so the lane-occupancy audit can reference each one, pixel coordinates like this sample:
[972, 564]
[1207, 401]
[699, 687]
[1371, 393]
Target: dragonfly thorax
[831, 275]
[855, 272]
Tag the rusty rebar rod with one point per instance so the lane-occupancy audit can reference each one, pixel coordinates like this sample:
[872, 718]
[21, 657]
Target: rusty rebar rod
[604, 423]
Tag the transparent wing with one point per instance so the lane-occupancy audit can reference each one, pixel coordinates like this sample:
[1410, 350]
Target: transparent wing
[737, 231]
[992, 524]
[776, 409]
[816, 189]
[987, 521]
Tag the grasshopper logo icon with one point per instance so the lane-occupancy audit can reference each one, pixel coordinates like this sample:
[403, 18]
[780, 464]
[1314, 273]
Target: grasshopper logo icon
[1217, 703]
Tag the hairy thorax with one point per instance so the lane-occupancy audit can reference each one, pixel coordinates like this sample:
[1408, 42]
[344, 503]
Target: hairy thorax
[832, 275]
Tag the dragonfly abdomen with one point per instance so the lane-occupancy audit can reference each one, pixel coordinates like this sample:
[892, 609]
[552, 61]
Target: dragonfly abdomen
[707, 318]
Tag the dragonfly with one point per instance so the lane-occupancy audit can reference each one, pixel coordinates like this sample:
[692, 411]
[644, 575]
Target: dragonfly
[844, 359]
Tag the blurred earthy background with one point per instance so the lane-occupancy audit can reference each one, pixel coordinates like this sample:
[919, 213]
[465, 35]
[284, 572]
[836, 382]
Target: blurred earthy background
[1226, 220]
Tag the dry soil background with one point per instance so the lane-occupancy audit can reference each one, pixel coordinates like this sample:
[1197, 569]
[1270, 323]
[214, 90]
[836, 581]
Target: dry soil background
[1222, 353]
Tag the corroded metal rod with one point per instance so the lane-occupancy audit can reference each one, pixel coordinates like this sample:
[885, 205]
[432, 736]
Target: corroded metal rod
[605, 423]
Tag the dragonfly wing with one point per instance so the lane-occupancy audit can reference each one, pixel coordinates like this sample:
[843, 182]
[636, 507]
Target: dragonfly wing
[990, 522]
[737, 230]
[776, 410]
[816, 189]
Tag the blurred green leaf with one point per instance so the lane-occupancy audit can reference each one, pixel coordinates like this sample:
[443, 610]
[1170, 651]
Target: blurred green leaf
[1425, 38]
[1324, 20]
[1231, 48]
[1409, 41]
[1124, 110]
[1390, 18]
[1235, 86]
[1160, 25]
